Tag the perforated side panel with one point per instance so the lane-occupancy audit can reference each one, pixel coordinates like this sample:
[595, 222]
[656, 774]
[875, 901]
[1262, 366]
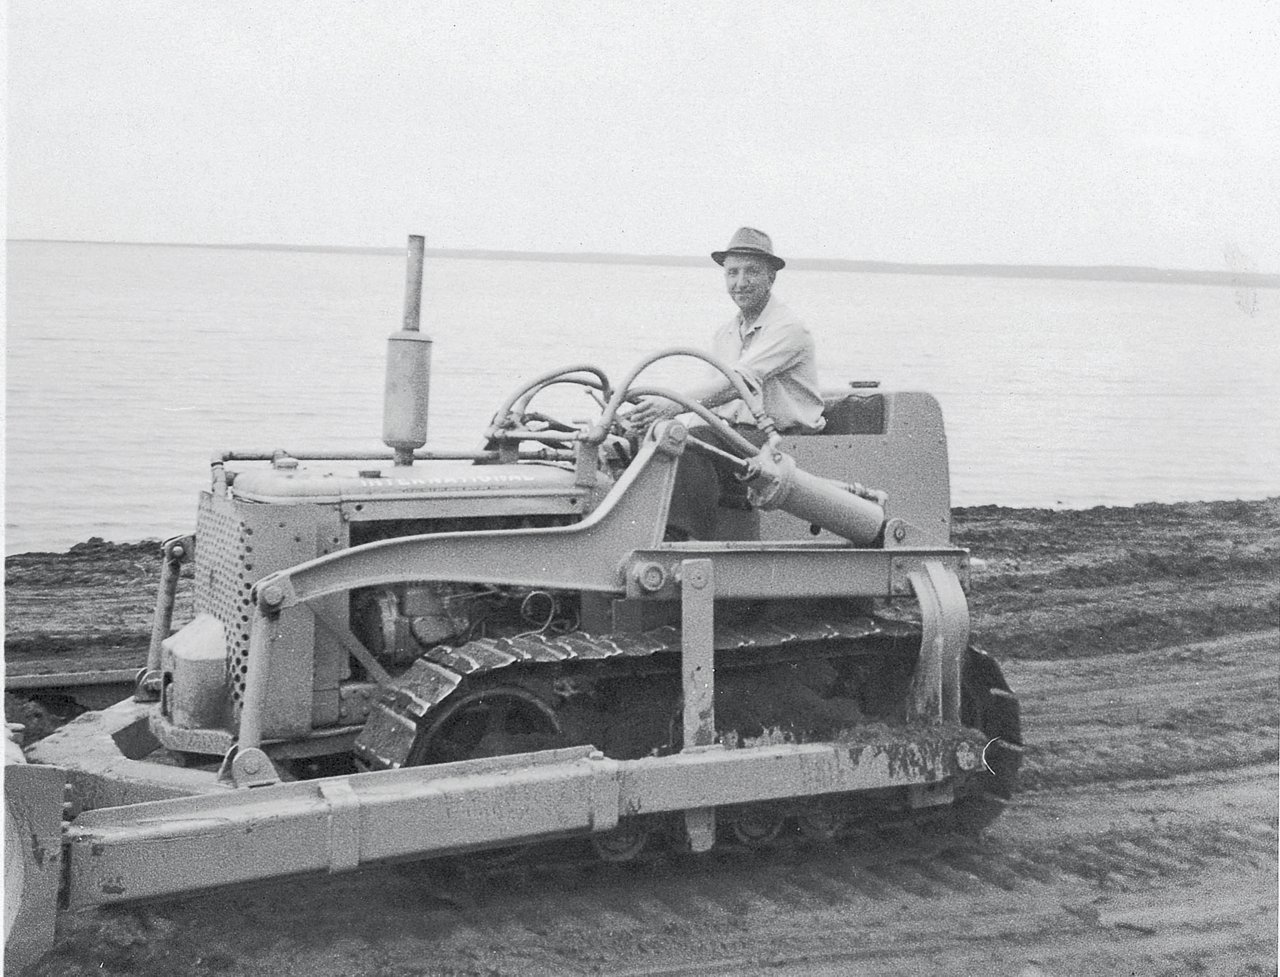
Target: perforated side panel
[224, 579]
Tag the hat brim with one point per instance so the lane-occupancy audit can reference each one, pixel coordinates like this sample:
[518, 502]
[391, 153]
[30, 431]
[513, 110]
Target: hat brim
[772, 260]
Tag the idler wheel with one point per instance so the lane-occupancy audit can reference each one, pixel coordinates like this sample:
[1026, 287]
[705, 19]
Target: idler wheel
[491, 722]
[623, 843]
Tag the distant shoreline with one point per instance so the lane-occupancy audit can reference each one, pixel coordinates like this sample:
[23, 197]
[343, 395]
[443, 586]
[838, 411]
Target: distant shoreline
[1114, 273]
[1249, 509]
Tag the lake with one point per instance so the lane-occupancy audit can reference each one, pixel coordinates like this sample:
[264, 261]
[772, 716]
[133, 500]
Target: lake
[129, 365]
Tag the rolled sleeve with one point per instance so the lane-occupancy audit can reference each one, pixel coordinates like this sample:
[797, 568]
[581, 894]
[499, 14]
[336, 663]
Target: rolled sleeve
[772, 352]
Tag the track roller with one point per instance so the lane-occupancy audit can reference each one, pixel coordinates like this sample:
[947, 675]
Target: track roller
[624, 843]
[757, 825]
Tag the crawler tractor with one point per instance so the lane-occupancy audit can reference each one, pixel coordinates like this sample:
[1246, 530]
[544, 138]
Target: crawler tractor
[426, 653]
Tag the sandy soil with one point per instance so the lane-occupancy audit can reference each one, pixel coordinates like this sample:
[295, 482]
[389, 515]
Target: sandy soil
[1143, 643]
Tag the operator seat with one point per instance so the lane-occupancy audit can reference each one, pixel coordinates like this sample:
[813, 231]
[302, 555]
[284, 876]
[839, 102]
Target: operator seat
[853, 413]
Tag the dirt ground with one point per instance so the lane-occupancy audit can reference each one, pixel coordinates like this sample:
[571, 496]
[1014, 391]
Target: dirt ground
[1143, 643]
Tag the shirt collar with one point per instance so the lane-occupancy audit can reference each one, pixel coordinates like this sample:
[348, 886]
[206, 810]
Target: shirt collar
[760, 319]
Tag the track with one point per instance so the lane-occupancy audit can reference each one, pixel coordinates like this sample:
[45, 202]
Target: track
[586, 689]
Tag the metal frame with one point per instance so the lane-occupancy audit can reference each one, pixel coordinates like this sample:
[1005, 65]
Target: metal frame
[338, 823]
[697, 669]
[174, 553]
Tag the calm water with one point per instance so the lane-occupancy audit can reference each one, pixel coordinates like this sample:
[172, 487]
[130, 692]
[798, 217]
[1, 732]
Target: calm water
[128, 365]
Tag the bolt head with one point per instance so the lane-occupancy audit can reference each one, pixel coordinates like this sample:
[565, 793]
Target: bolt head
[272, 595]
[651, 577]
[967, 757]
[251, 765]
[899, 533]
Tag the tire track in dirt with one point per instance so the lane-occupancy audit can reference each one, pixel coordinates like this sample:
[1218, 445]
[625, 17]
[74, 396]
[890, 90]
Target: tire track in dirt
[1159, 713]
[1022, 889]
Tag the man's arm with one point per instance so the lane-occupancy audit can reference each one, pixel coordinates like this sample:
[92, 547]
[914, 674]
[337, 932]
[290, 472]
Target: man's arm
[773, 351]
[708, 393]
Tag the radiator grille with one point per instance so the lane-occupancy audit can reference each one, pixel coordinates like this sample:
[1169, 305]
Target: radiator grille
[224, 580]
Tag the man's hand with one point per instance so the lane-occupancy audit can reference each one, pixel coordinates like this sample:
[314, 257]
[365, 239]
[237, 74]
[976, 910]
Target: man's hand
[652, 409]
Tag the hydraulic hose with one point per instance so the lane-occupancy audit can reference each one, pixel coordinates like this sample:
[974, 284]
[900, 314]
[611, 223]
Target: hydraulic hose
[719, 423]
[532, 387]
[750, 397]
[522, 403]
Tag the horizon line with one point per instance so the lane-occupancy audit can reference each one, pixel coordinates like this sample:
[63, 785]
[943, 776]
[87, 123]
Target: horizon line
[1100, 272]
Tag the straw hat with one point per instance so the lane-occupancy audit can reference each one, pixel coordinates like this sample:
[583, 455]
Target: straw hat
[748, 241]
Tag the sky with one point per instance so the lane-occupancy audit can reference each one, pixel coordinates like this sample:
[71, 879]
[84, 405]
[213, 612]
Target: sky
[1024, 132]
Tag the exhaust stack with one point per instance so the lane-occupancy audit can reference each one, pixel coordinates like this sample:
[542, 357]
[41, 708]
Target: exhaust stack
[404, 411]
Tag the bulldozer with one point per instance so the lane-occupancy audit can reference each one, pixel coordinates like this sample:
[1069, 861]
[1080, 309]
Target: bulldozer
[421, 653]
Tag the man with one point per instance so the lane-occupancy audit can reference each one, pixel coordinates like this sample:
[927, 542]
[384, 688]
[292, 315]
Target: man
[772, 351]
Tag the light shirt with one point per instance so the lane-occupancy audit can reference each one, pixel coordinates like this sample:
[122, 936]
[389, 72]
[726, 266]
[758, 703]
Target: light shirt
[774, 354]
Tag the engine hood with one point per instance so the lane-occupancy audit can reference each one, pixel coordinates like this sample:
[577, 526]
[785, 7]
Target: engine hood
[372, 481]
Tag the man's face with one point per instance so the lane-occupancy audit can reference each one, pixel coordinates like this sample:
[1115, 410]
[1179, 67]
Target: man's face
[748, 281]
